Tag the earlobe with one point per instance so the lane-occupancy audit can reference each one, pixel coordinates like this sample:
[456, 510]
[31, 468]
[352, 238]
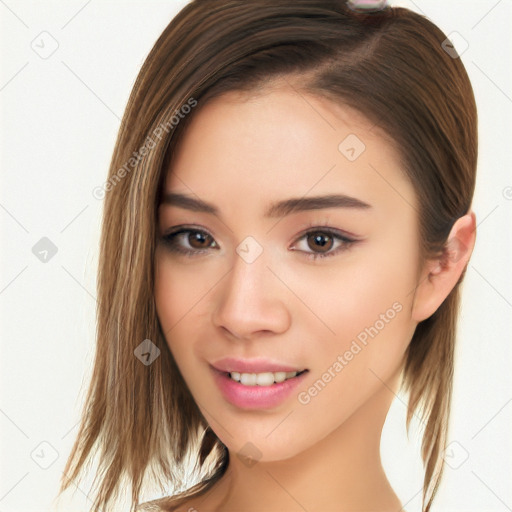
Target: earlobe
[439, 276]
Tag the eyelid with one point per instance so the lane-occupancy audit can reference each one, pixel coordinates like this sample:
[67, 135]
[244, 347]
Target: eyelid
[313, 228]
[187, 227]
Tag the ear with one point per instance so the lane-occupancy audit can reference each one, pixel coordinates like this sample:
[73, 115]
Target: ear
[440, 275]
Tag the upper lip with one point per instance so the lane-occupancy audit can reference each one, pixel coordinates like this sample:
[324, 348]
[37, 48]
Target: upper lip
[260, 365]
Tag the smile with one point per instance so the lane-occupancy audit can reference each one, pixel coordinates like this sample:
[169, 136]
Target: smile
[264, 390]
[262, 379]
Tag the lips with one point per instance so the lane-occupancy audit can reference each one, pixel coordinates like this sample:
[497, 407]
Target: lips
[255, 396]
[259, 365]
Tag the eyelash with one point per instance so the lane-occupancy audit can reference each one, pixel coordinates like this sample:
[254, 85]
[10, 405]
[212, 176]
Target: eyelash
[169, 240]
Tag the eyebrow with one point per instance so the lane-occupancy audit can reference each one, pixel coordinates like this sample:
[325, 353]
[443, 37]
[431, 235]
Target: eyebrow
[278, 209]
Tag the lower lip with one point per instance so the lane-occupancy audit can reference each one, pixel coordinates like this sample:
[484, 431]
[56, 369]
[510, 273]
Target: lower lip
[255, 397]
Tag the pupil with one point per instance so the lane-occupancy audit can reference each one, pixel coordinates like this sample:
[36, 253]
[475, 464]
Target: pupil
[324, 241]
[197, 238]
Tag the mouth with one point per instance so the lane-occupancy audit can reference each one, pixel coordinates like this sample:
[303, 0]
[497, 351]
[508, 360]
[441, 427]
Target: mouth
[264, 390]
[262, 379]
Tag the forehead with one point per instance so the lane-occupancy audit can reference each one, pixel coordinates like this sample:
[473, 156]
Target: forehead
[284, 142]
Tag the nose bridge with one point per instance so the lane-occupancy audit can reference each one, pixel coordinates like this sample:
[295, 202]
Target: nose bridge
[251, 299]
[248, 276]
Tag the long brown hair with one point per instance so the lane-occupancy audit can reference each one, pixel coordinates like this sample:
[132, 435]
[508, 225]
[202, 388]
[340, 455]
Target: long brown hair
[391, 66]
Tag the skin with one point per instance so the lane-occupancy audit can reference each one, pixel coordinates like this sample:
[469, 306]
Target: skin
[240, 153]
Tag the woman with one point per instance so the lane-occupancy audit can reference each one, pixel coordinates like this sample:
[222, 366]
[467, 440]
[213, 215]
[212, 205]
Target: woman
[287, 223]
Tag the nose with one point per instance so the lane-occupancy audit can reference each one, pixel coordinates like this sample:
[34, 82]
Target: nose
[251, 300]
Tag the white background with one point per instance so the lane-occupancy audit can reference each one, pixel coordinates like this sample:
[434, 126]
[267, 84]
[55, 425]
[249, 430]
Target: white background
[60, 117]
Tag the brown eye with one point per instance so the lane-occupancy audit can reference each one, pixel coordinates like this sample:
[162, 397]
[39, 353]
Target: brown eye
[322, 243]
[190, 242]
[199, 240]
[319, 242]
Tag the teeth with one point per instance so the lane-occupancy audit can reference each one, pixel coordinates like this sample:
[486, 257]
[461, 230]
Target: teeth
[261, 379]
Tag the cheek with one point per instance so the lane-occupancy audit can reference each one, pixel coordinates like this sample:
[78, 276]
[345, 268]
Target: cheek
[181, 288]
[178, 293]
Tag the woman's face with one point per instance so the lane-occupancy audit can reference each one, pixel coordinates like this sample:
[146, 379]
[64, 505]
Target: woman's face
[326, 287]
